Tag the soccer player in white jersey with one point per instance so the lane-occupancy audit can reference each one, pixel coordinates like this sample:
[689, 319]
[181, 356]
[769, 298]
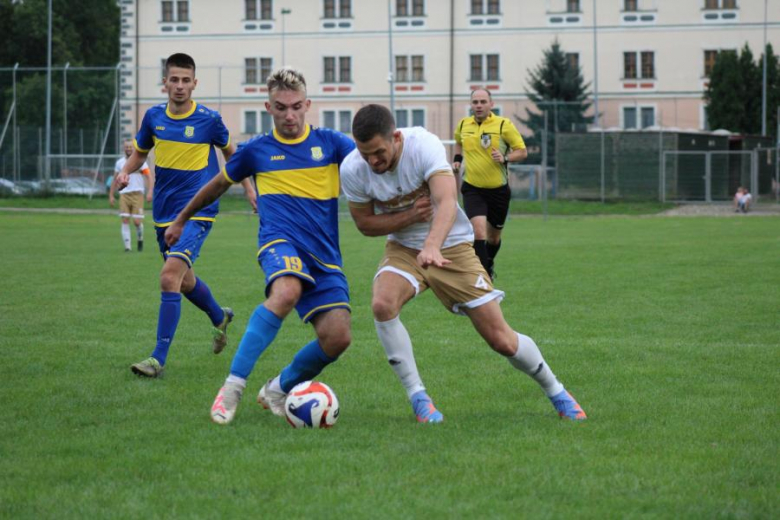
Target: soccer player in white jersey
[131, 198]
[400, 184]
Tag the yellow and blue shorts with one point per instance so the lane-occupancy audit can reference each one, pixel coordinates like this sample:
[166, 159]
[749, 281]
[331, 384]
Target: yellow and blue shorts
[188, 247]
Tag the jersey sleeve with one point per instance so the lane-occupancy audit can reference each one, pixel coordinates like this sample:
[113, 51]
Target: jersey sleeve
[350, 181]
[342, 145]
[432, 156]
[144, 139]
[220, 135]
[511, 136]
[239, 167]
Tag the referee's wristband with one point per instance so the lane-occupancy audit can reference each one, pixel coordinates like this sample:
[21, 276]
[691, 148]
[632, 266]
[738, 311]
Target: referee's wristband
[457, 158]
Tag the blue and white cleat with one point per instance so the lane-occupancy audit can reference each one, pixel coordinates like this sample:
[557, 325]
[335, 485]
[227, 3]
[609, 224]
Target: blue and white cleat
[424, 409]
[568, 407]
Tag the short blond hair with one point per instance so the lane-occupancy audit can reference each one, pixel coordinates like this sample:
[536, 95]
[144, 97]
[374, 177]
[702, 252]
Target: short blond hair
[286, 78]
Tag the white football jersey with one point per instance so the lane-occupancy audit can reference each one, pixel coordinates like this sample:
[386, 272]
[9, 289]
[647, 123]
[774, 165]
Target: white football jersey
[423, 154]
[135, 181]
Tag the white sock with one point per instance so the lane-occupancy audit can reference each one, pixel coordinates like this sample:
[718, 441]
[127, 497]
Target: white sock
[240, 381]
[398, 347]
[529, 360]
[126, 235]
[275, 385]
[139, 232]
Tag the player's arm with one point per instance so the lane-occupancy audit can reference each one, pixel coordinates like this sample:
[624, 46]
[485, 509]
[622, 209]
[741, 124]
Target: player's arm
[374, 224]
[445, 198]
[112, 189]
[133, 163]
[148, 177]
[457, 162]
[207, 194]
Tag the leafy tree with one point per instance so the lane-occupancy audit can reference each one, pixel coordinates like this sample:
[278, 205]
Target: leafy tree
[84, 33]
[558, 88]
[734, 93]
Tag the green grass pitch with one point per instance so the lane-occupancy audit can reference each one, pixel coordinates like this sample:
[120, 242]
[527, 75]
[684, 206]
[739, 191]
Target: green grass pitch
[666, 330]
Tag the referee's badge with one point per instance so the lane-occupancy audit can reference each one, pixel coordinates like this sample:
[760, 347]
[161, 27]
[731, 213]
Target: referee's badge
[316, 153]
[189, 131]
[485, 140]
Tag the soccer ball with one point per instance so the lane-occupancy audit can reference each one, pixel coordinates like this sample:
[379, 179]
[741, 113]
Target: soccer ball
[311, 404]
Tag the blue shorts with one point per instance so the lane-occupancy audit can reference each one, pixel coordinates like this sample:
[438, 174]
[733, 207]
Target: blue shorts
[324, 287]
[188, 246]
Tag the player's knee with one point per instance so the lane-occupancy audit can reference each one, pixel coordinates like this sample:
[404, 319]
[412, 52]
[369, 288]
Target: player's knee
[284, 297]
[503, 343]
[384, 309]
[336, 342]
[170, 282]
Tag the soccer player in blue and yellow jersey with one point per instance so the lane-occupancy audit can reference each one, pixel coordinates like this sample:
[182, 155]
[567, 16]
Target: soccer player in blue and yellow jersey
[296, 170]
[183, 134]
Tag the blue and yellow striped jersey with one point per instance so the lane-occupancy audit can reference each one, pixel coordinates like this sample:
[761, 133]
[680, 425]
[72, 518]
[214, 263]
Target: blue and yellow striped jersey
[297, 188]
[184, 157]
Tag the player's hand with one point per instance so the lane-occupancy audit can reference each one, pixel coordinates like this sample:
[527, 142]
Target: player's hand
[456, 167]
[122, 178]
[497, 156]
[148, 197]
[173, 233]
[423, 209]
[431, 256]
[111, 201]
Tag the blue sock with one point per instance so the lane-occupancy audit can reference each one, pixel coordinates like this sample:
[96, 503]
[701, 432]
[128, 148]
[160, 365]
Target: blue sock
[167, 321]
[260, 332]
[201, 297]
[305, 366]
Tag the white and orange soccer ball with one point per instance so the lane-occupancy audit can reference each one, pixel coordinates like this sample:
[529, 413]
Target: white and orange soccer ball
[311, 404]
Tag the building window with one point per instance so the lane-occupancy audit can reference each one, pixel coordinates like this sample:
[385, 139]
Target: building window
[404, 116]
[250, 122]
[729, 4]
[631, 61]
[485, 7]
[340, 120]
[484, 67]
[409, 68]
[630, 5]
[410, 7]
[572, 6]
[253, 117]
[573, 59]
[164, 70]
[630, 114]
[259, 9]
[257, 70]
[720, 4]
[176, 11]
[337, 69]
[709, 62]
[337, 8]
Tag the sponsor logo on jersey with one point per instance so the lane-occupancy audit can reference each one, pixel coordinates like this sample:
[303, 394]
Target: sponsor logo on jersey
[316, 153]
[277, 157]
[189, 131]
[159, 128]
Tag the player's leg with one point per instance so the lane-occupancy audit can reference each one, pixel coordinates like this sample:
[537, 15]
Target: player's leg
[139, 232]
[498, 200]
[476, 209]
[199, 294]
[124, 213]
[171, 277]
[397, 282]
[326, 306]
[137, 213]
[523, 354]
[261, 330]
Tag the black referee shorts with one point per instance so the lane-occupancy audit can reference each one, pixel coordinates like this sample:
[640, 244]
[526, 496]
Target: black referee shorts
[492, 203]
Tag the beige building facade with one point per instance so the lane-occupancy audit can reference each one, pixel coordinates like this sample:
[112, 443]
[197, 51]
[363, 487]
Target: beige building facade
[424, 57]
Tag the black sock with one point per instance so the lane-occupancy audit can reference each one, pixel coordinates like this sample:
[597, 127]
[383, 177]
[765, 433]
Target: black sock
[492, 249]
[481, 249]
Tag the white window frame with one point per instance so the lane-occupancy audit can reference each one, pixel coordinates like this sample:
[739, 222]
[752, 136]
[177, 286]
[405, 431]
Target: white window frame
[484, 77]
[337, 112]
[337, 70]
[410, 68]
[175, 4]
[259, 111]
[337, 11]
[409, 115]
[259, 67]
[638, 107]
[259, 11]
[639, 76]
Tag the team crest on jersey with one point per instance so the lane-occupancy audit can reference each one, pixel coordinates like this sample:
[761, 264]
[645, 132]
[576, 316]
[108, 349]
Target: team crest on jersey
[316, 153]
[189, 131]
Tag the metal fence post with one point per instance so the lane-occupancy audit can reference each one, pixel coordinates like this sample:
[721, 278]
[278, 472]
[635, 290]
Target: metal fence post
[708, 177]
